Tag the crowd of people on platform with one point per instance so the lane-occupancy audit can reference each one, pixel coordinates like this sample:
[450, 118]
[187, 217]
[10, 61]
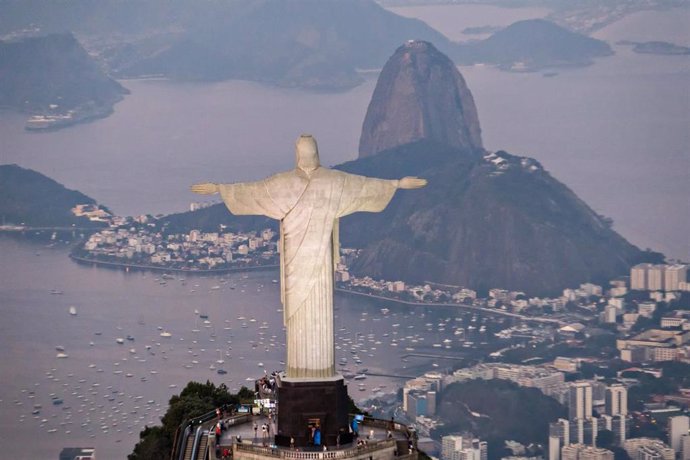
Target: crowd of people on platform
[266, 385]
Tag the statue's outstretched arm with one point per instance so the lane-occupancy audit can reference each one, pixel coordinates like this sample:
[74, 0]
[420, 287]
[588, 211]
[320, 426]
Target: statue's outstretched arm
[409, 183]
[207, 188]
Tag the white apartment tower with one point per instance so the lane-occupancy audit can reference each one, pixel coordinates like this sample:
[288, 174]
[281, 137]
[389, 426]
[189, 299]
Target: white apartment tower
[638, 277]
[617, 400]
[674, 275]
[655, 277]
[450, 444]
[677, 428]
[580, 401]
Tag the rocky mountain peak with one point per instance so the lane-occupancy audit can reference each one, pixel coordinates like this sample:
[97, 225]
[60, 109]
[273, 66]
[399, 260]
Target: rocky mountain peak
[420, 95]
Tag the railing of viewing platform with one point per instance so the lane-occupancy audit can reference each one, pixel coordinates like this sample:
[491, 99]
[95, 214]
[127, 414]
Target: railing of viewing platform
[293, 454]
[338, 453]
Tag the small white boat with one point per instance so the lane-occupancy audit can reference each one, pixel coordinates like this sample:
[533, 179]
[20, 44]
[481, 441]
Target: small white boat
[166, 334]
[120, 340]
[62, 355]
[73, 310]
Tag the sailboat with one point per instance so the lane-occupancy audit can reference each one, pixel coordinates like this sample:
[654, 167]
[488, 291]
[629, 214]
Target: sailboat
[220, 357]
[73, 310]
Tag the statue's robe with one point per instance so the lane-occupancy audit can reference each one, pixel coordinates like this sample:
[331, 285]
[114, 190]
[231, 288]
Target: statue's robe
[308, 207]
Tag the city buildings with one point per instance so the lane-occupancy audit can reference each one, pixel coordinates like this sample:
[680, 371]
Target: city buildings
[650, 277]
[648, 449]
[463, 447]
[678, 427]
[583, 452]
[549, 381]
[655, 345]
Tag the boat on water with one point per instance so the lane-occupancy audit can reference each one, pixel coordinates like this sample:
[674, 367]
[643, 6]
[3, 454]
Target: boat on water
[59, 348]
[166, 334]
[120, 340]
[360, 376]
[62, 355]
[73, 310]
[221, 371]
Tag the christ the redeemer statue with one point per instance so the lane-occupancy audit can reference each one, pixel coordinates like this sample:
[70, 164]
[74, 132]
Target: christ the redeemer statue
[308, 201]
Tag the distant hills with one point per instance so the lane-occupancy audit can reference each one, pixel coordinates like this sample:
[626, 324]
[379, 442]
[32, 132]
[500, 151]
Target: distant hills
[29, 198]
[306, 43]
[54, 77]
[486, 219]
[532, 45]
[299, 43]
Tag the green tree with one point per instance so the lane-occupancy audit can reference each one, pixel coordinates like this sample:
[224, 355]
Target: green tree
[194, 400]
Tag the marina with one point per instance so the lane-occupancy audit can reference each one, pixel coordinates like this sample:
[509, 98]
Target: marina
[103, 384]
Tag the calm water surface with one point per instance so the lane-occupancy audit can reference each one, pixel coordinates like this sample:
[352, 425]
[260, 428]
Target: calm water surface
[111, 391]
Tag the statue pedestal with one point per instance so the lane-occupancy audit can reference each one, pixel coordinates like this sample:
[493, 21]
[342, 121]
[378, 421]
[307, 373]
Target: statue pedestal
[303, 403]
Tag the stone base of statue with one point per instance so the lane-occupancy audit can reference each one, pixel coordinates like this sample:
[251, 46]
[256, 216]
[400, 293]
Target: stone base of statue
[304, 404]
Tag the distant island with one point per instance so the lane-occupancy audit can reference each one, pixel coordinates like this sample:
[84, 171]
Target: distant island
[532, 45]
[56, 81]
[658, 47]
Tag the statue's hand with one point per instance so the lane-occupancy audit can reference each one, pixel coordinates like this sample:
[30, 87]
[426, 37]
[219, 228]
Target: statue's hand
[207, 188]
[410, 183]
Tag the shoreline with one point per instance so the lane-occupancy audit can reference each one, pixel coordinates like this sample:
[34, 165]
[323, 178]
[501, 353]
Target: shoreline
[454, 305]
[140, 267]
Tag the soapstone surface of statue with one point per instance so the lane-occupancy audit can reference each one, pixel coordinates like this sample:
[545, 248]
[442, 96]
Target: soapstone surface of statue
[308, 201]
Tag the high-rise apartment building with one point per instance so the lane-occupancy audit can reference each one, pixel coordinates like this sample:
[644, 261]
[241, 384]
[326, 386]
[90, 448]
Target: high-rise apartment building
[580, 401]
[638, 277]
[674, 275]
[450, 444]
[655, 277]
[616, 400]
[457, 447]
[677, 428]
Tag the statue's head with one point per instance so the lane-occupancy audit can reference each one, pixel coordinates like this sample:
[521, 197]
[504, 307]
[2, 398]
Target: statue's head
[307, 153]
